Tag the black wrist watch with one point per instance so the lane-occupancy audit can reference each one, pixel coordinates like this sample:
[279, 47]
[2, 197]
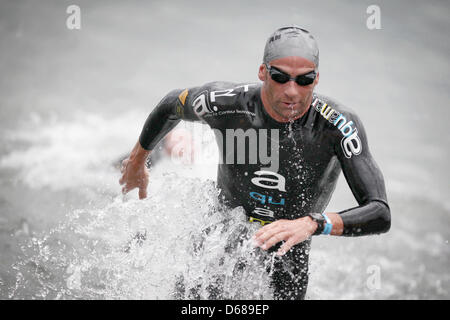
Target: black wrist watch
[318, 217]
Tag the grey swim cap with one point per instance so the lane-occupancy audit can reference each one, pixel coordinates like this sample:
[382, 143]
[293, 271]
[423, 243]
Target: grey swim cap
[291, 41]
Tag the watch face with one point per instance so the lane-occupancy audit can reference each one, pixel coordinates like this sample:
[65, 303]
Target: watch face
[316, 216]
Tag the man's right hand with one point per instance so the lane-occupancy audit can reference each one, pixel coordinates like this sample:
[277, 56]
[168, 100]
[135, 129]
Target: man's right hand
[134, 172]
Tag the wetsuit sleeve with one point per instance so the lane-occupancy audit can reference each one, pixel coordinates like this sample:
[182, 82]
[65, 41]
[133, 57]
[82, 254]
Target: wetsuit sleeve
[191, 104]
[365, 180]
[174, 107]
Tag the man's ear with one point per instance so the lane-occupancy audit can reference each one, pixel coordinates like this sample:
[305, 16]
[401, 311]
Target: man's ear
[262, 72]
[316, 80]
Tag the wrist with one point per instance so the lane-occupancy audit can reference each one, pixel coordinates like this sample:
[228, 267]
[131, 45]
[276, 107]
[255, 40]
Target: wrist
[324, 224]
[328, 226]
[139, 155]
[313, 225]
[319, 221]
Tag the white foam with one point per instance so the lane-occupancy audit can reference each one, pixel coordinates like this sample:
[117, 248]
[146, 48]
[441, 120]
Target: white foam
[138, 249]
[70, 154]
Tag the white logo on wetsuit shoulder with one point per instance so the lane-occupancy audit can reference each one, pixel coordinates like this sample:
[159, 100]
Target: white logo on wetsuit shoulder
[202, 103]
[350, 143]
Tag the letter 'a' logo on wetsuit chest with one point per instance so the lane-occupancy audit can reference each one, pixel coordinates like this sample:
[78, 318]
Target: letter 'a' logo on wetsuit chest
[273, 181]
[278, 182]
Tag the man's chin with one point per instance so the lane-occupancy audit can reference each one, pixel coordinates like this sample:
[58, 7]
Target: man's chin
[288, 113]
[286, 117]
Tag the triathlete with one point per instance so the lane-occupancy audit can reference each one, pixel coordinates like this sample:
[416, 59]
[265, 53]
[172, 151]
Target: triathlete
[282, 148]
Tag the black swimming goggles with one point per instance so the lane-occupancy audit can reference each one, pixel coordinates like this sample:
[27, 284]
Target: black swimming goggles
[281, 77]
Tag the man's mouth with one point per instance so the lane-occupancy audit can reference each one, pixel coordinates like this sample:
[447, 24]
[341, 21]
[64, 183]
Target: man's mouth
[288, 104]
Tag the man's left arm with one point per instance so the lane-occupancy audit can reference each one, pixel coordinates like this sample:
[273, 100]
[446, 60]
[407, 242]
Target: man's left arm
[366, 182]
[364, 177]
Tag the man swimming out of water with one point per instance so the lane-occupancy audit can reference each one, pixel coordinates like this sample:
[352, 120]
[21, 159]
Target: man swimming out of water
[282, 148]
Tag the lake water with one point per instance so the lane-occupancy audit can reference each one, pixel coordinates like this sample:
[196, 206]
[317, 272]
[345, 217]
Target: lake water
[72, 102]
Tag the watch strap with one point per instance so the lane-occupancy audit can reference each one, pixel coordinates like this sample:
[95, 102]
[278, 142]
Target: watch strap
[320, 220]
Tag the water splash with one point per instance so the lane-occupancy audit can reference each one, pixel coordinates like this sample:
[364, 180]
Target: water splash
[178, 243]
[291, 121]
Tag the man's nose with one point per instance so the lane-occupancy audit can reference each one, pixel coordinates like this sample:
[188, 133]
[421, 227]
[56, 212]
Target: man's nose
[291, 89]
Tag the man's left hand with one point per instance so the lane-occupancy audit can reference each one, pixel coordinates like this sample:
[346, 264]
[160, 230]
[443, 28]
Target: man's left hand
[290, 231]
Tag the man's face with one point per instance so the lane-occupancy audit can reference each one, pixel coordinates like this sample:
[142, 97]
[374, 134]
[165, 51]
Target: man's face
[287, 101]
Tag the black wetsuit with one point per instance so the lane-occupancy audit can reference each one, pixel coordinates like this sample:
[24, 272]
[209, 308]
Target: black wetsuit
[281, 170]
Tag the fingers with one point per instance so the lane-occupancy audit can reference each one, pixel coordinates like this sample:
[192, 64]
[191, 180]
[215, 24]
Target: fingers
[290, 231]
[275, 239]
[271, 234]
[268, 230]
[289, 238]
[142, 192]
[128, 186]
[132, 179]
[124, 165]
[286, 246]
[122, 170]
[127, 189]
[267, 234]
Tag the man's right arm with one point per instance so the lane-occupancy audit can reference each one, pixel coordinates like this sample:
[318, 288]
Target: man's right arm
[192, 104]
[166, 115]
[134, 171]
